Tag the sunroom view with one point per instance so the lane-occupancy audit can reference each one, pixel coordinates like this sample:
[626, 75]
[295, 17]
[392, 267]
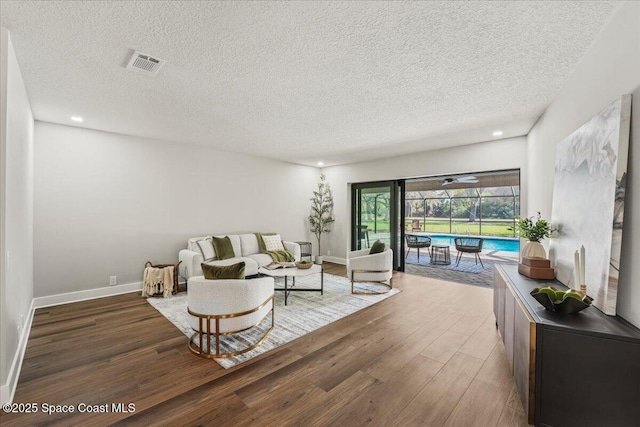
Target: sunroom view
[452, 227]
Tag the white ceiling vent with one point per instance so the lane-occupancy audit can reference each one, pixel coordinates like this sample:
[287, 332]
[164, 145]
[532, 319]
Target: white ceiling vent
[145, 64]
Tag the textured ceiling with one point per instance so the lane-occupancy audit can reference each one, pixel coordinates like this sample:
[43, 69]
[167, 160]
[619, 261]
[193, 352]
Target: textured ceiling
[303, 81]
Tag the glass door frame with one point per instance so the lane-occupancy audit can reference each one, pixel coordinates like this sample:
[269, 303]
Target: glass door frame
[396, 215]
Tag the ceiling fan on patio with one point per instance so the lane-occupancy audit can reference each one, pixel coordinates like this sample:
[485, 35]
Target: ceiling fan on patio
[469, 179]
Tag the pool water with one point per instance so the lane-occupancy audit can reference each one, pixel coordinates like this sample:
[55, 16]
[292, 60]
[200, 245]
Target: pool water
[489, 244]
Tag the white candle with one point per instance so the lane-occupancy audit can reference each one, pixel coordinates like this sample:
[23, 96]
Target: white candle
[576, 271]
[582, 264]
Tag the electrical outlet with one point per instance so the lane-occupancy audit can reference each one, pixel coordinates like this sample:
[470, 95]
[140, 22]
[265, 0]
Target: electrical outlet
[113, 280]
[328, 253]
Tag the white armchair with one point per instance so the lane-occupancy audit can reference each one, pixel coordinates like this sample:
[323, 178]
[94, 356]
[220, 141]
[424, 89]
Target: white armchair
[225, 307]
[362, 267]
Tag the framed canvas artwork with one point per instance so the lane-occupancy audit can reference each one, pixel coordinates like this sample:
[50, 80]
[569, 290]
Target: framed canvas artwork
[588, 202]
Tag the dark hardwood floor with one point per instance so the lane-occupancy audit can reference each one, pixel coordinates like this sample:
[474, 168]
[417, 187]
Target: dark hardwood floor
[430, 355]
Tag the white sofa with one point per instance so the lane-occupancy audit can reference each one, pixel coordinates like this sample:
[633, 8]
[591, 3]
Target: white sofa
[245, 248]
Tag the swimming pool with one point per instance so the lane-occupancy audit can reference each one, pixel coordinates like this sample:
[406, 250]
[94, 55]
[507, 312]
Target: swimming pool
[489, 244]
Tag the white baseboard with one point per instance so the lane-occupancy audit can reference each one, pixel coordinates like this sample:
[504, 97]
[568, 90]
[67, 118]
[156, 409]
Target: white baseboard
[335, 259]
[88, 294]
[8, 390]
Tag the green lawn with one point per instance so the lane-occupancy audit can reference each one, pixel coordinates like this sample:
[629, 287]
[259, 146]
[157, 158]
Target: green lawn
[489, 227]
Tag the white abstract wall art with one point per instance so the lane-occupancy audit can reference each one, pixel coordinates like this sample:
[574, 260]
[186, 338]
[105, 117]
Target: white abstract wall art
[588, 201]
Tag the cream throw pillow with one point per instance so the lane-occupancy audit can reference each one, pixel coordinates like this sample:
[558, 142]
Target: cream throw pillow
[273, 243]
[206, 248]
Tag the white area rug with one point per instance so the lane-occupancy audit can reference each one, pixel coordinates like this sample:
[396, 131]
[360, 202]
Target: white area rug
[305, 312]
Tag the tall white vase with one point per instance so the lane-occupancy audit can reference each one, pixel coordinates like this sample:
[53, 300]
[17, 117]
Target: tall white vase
[534, 250]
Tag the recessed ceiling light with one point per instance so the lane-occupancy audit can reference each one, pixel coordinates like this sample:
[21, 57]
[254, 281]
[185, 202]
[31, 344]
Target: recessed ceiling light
[497, 133]
[320, 164]
[77, 119]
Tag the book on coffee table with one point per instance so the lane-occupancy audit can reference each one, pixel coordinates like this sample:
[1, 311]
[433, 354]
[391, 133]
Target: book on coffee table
[275, 265]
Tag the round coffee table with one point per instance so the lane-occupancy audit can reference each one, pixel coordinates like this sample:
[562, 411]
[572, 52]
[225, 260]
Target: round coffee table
[294, 272]
[440, 255]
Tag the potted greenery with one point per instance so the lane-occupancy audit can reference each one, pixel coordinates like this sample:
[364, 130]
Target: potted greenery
[321, 216]
[534, 233]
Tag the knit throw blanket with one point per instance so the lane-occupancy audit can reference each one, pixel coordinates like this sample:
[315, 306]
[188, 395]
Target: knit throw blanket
[157, 280]
[278, 256]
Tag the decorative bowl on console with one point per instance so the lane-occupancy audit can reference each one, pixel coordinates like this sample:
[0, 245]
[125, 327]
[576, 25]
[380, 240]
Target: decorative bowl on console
[568, 302]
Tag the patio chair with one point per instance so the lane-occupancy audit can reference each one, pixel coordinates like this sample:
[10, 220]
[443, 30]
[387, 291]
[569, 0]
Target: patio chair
[417, 242]
[470, 245]
[415, 225]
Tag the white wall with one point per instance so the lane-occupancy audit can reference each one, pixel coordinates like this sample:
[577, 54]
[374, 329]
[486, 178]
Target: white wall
[106, 203]
[494, 155]
[16, 213]
[610, 68]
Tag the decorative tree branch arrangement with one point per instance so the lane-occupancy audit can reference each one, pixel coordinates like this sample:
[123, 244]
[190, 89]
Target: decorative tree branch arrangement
[321, 210]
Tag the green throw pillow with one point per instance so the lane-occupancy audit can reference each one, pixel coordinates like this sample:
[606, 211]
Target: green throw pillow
[377, 247]
[223, 247]
[219, 272]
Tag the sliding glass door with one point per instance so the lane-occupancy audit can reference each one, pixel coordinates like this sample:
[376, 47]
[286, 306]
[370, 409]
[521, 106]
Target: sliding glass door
[377, 209]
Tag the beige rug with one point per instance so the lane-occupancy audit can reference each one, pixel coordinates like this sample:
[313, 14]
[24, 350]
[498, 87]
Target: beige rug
[305, 313]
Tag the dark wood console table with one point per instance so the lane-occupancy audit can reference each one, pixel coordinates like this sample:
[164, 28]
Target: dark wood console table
[569, 370]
